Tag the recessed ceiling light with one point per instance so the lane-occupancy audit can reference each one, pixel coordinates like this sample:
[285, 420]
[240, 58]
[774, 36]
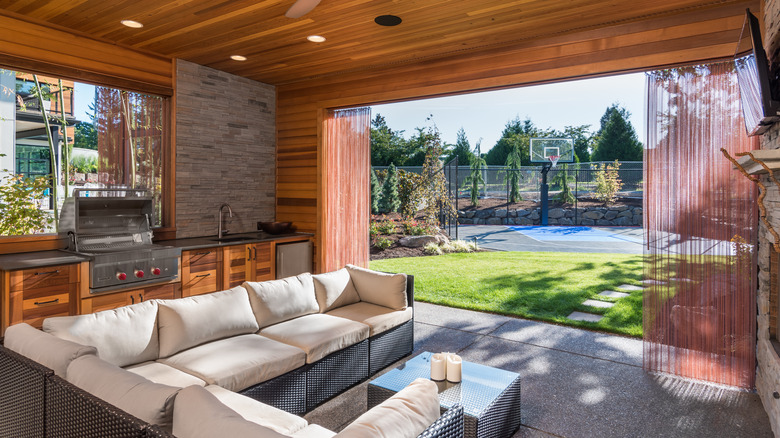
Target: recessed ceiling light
[131, 23]
[387, 20]
[238, 58]
[316, 38]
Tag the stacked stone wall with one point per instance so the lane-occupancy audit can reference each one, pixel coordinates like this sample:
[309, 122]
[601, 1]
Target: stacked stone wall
[618, 216]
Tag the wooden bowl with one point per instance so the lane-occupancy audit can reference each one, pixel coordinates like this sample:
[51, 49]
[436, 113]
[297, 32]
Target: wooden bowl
[276, 227]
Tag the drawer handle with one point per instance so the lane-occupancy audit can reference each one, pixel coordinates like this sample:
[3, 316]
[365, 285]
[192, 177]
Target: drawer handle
[48, 272]
[203, 253]
[40, 303]
[203, 275]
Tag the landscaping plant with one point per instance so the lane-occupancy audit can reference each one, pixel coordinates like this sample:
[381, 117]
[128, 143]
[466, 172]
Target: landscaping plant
[608, 182]
[408, 192]
[513, 162]
[390, 201]
[20, 211]
[433, 190]
[376, 192]
[412, 227]
[475, 175]
[561, 179]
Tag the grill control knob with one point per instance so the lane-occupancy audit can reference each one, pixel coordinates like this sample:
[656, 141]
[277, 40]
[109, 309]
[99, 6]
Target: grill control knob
[121, 276]
[155, 271]
[139, 273]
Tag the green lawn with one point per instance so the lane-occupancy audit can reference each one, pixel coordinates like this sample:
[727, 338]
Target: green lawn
[545, 286]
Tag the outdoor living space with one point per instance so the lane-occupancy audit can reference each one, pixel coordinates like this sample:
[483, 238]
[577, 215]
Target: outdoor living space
[574, 382]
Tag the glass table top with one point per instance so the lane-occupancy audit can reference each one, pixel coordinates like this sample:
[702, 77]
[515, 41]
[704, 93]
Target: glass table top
[479, 387]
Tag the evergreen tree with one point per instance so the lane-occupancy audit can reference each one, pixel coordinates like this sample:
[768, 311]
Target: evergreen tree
[617, 140]
[387, 146]
[582, 141]
[390, 200]
[515, 132]
[513, 162]
[376, 192]
[475, 175]
[462, 149]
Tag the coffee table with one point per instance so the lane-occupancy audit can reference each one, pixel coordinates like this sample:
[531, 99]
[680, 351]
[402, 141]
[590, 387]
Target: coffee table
[490, 396]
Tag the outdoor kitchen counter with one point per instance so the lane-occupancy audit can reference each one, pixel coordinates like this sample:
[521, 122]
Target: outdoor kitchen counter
[38, 259]
[211, 241]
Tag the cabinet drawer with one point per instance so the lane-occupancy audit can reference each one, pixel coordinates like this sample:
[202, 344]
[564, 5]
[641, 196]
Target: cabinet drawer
[45, 277]
[33, 306]
[164, 292]
[201, 282]
[200, 260]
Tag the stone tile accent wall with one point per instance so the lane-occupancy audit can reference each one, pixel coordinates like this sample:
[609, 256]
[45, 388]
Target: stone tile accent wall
[225, 150]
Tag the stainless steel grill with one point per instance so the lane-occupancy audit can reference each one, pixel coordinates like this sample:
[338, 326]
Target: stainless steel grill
[113, 228]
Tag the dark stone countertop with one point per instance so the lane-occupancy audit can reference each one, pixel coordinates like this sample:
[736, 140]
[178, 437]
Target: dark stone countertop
[211, 241]
[38, 259]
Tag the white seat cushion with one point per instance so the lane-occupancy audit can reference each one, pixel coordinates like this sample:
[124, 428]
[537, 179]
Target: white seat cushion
[239, 362]
[404, 415]
[388, 290]
[151, 402]
[314, 431]
[334, 290]
[380, 319]
[187, 322]
[49, 351]
[167, 375]
[122, 336]
[257, 412]
[199, 414]
[281, 300]
[318, 335]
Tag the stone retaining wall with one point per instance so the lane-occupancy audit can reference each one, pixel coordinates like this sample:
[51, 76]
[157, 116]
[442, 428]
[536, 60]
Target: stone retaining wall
[622, 216]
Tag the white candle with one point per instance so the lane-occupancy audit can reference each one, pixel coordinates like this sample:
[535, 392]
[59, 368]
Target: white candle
[438, 367]
[454, 368]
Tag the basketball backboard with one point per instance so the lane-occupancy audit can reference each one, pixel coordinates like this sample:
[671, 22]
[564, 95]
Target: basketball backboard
[543, 148]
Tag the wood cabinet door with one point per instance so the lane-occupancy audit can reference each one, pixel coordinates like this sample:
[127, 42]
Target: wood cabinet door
[201, 271]
[263, 261]
[237, 260]
[106, 302]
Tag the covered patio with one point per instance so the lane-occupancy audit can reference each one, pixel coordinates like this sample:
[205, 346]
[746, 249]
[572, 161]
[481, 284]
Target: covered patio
[575, 383]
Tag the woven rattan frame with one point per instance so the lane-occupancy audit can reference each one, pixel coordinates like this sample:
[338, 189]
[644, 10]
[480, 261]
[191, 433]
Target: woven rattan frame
[390, 346]
[336, 373]
[501, 419]
[449, 425]
[22, 389]
[286, 392]
[73, 412]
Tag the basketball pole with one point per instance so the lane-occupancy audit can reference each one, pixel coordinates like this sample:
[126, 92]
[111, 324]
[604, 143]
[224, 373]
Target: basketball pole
[544, 188]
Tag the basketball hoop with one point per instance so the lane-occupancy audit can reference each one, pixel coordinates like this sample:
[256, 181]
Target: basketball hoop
[554, 159]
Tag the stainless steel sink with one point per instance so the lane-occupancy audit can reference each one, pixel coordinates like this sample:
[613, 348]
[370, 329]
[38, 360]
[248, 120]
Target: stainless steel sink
[234, 239]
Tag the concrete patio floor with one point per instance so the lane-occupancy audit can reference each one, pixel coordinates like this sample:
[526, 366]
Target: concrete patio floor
[576, 383]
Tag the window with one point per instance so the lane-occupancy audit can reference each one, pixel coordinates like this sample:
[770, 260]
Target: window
[87, 136]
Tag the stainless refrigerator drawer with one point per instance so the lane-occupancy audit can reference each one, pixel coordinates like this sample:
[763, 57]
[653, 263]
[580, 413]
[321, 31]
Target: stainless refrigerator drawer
[293, 259]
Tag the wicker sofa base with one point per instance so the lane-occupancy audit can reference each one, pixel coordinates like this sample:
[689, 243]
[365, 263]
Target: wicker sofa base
[335, 373]
[22, 386]
[286, 392]
[390, 346]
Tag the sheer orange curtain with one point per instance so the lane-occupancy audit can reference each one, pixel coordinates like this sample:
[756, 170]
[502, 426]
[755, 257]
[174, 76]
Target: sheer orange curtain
[347, 198]
[700, 229]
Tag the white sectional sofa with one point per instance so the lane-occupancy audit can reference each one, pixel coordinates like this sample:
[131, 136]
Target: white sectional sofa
[263, 351]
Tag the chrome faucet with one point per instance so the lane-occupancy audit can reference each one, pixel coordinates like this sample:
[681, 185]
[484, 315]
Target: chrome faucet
[230, 213]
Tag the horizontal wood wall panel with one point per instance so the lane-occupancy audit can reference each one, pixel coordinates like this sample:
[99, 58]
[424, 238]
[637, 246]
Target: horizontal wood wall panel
[27, 45]
[687, 37]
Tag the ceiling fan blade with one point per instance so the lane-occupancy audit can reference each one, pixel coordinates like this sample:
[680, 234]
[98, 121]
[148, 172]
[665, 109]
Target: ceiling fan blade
[301, 8]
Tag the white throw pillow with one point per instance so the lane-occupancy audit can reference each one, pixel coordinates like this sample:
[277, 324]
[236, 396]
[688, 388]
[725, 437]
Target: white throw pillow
[150, 402]
[123, 336]
[187, 322]
[47, 350]
[334, 289]
[199, 414]
[404, 415]
[379, 288]
[280, 300]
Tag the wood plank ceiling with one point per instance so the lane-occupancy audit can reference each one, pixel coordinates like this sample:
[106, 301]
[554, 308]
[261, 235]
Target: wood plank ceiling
[208, 32]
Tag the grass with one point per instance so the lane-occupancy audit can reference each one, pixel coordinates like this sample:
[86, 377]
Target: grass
[544, 286]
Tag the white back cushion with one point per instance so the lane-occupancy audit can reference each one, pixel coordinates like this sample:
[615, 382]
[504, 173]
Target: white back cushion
[379, 288]
[151, 402]
[404, 415]
[334, 289]
[187, 322]
[279, 300]
[199, 414]
[44, 348]
[123, 336]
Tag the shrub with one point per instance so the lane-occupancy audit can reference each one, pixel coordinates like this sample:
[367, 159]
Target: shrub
[390, 201]
[475, 175]
[462, 246]
[433, 249]
[20, 200]
[383, 243]
[413, 227]
[408, 192]
[376, 192]
[562, 179]
[385, 226]
[608, 182]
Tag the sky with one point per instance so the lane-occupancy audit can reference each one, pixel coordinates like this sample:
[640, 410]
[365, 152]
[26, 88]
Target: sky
[83, 96]
[484, 115]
